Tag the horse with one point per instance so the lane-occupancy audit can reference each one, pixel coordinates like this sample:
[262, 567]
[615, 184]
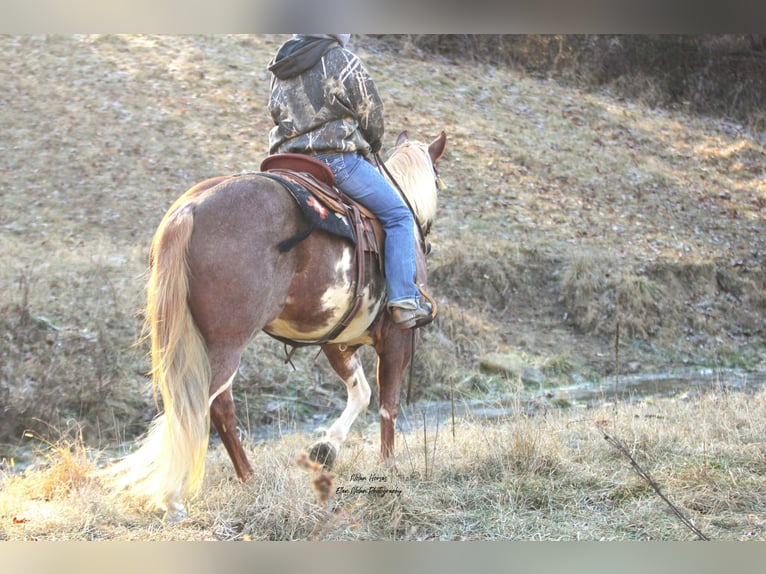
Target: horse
[217, 278]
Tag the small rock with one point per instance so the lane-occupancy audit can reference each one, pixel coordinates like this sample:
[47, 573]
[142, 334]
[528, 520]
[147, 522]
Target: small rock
[532, 376]
[513, 365]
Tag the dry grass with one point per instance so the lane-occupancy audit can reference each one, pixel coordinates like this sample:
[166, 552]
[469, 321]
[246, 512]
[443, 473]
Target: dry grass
[598, 298]
[543, 477]
[710, 74]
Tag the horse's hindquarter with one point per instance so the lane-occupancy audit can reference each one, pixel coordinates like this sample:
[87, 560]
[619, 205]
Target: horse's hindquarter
[237, 276]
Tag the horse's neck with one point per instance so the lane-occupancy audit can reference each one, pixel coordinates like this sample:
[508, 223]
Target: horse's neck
[412, 174]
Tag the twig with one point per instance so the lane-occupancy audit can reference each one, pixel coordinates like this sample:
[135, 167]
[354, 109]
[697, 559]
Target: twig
[619, 445]
[425, 446]
[452, 406]
[406, 446]
[436, 440]
[617, 364]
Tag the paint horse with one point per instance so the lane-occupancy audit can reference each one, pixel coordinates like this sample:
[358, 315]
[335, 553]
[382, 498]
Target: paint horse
[217, 278]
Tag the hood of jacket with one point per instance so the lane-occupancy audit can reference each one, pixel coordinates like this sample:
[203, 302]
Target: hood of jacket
[301, 53]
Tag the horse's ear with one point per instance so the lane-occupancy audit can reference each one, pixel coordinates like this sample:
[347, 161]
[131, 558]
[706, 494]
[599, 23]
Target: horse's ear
[403, 137]
[436, 147]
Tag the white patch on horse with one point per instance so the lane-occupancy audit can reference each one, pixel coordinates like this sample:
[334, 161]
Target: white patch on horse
[358, 400]
[222, 389]
[336, 299]
[356, 330]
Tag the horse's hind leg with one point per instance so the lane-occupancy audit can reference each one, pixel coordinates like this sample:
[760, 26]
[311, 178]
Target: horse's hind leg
[224, 366]
[348, 366]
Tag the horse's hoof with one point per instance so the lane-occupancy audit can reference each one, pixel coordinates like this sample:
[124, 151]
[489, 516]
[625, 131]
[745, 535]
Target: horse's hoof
[323, 453]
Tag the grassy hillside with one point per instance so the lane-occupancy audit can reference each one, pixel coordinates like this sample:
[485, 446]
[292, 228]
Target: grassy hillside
[581, 233]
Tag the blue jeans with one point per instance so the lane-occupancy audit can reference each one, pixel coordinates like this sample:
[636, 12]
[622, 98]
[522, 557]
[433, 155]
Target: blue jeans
[359, 179]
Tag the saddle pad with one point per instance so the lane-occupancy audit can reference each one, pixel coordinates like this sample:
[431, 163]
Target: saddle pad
[317, 214]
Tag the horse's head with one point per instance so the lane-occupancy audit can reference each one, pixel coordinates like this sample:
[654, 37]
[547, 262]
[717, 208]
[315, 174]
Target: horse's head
[413, 167]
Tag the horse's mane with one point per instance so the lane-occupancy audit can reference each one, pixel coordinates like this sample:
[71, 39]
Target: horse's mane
[411, 167]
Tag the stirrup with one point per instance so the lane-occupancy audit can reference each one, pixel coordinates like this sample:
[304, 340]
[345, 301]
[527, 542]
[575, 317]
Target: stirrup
[415, 318]
[410, 318]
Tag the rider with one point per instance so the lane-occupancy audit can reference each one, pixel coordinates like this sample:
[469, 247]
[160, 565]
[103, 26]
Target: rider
[325, 104]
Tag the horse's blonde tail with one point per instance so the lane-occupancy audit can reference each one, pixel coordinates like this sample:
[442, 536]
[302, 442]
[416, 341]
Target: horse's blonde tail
[170, 462]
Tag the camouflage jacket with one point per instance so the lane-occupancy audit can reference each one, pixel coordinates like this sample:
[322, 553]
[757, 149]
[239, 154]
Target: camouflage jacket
[322, 100]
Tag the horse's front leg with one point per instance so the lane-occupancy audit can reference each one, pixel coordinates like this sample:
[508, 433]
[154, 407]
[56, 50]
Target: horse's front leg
[348, 366]
[394, 354]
